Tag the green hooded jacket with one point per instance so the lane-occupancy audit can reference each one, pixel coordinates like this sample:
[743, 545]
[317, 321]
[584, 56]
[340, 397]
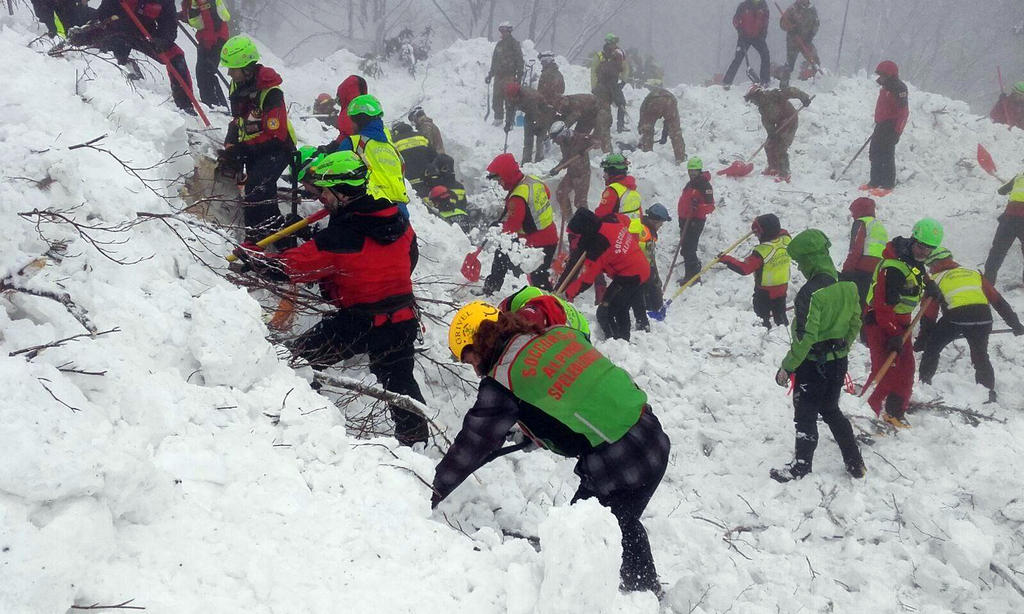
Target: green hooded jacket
[828, 315]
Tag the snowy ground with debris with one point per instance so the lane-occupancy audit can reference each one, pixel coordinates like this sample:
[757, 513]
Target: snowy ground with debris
[199, 473]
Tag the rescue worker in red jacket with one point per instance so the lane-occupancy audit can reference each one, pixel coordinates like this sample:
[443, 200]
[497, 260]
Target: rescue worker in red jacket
[769, 261]
[751, 23]
[121, 35]
[620, 195]
[696, 203]
[1009, 109]
[351, 88]
[891, 113]
[528, 215]
[210, 19]
[612, 249]
[967, 299]
[1010, 228]
[259, 138]
[898, 286]
[364, 261]
[868, 238]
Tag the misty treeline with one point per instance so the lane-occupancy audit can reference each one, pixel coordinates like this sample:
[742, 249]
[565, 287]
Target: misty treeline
[947, 46]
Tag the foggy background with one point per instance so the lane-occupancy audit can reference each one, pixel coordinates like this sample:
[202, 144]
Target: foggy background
[950, 47]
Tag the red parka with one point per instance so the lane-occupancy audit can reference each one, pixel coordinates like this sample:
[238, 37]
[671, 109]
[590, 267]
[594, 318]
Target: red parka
[751, 19]
[612, 250]
[698, 198]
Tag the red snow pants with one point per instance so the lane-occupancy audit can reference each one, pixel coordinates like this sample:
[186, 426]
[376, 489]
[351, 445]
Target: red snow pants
[899, 379]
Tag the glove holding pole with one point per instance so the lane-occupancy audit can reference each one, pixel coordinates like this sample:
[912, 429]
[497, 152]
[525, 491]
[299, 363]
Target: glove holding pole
[284, 232]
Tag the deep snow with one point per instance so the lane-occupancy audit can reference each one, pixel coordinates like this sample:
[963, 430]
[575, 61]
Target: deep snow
[173, 487]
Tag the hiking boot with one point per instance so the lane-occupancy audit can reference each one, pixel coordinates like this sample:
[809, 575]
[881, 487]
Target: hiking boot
[792, 471]
[897, 422]
[856, 470]
[770, 172]
[866, 187]
[992, 397]
[880, 192]
[782, 178]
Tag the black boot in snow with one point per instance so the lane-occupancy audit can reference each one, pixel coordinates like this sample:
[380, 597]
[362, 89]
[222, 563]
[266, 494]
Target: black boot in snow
[856, 470]
[792, 471]
[992, 397]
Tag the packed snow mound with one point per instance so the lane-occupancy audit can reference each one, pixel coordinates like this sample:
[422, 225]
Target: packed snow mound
[199, 473]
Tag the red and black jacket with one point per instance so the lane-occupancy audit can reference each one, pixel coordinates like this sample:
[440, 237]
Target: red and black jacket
[751, 19]
[891, 105]
[270, 121]
[214, 30]
[610, 248]
[697, 200]
[158, 17]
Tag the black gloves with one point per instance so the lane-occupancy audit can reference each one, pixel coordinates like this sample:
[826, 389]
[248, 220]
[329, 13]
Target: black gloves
[894, 344]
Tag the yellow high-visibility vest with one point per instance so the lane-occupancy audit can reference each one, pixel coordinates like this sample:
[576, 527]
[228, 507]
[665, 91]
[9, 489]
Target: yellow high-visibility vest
[775, 270]
[532, 190]
[961, 287]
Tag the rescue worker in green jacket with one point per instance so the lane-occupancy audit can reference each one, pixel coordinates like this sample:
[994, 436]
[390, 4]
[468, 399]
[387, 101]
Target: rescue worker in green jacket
[568, 398]
[260, 141]
[417, 154]
[546, 309]
[375, 147]
[826, 323]
[967, 300]
[769, 261]
[867, 241]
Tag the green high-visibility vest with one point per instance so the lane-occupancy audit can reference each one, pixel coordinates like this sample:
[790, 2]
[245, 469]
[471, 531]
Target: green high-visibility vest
[629, 205]
[386, 177]
[1017, 192]
[538, 206]
[195, 17]
[775, 256]
[910, 296]
[562, 374]
[961, 287]
[875, 237]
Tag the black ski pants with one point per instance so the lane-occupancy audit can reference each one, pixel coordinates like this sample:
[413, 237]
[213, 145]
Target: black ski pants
[207, 61]
[390, 349]
[742, 44]
[816, 393]
[637, 572]
[766, 307]
[1010, 229]
[945, 332]
[502, 264]
[613, 312]
[862, 279]
[691, 230]
[651, 294]
[882, 155]
[260, 210]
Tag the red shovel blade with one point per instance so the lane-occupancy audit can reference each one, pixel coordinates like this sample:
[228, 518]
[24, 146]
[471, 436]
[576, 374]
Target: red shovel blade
[985, 160]
[737, 169]
[559, 263]
[471, 266]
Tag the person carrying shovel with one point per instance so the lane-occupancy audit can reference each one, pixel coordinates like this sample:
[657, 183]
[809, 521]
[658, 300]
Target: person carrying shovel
[696, 203]
[769, 262]
[780, 121]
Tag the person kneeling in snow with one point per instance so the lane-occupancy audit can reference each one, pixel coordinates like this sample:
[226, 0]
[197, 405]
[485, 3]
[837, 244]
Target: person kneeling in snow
[364, 261]
[826, 324]
[581, 405]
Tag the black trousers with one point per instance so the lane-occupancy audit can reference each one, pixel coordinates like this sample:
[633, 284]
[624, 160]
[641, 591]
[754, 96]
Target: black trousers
[260, 210]
[390, 348]
[816, 393]
[121, 45]
[945, 332]
[761, 46]
[613, 312]
[862, 279]
[651, 293]
[502, 264]
[691, 230]
[882, 154]
[637, 572]
[766, 307]
[207, 60]
[1010, 229]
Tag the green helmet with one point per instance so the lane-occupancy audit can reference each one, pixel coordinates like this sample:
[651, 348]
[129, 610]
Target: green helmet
[928, 232]
[305, 158]
[611, 38]
[615, 162]
[365, 105]
[1019, 87]
[239, 52]
[695, 164]
[940, 253]
[339, 168]
[522, 297]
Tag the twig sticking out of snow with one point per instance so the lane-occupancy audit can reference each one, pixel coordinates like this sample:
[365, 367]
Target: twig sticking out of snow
[63, 298]
[120, 606]
[34, 350]
[1005, 575]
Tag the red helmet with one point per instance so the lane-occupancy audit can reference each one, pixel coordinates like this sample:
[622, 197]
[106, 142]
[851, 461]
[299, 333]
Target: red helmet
[322, 98]
[505, 168]
[888, 68]
[862, 207]
[512, 89]
[440, 192]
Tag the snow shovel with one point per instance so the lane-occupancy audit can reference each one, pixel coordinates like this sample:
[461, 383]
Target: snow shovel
[892, 356]
[573, 272]
[471, 264]
[740, 168]
[987, 164]
[675, 257]
[853, 159]
[287, 231]
[660, 314]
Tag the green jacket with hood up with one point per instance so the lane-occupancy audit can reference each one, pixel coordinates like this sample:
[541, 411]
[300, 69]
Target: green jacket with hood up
[828, 315]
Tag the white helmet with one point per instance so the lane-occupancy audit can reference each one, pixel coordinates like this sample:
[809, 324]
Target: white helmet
[557, 129]
[546, 57]
[505, 25]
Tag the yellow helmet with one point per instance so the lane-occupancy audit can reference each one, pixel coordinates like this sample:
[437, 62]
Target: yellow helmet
[465, 324]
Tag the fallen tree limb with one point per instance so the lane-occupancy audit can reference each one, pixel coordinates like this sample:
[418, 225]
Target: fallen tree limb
[63, 298]
[34, 350]
[1005, 575]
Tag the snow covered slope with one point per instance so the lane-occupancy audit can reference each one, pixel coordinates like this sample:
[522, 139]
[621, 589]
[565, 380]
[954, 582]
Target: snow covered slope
[200, 474]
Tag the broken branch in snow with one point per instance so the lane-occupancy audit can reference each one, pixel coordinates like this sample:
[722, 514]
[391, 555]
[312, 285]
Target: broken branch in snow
[1005, 575]
[119, 606]
[34, 350]
[969, 416]
[90, 232]
[42, 382]
[63, 298]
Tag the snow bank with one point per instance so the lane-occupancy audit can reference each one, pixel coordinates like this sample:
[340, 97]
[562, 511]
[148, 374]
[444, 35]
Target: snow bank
[199, 473]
